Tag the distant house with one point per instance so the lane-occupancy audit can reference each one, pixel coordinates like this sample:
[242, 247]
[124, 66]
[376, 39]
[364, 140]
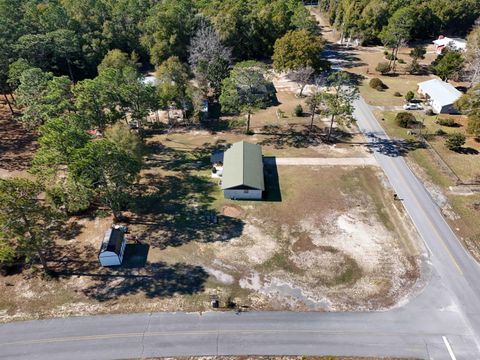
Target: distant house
[440, 95]
[113, 247]
[150, 80]
[454, 43]
[243, 172]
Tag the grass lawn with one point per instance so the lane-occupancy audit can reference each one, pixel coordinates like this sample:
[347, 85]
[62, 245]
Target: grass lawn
[286, 141]
[366, 60]
[465, 164]
[401, 84]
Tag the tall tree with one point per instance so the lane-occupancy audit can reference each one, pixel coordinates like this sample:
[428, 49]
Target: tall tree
[125, 140]
[448, 65]
[59, 138]
[107, 171]
[43, 96]
[472, 55]
[25, 222]
[98, 101]
[314, 101]
[138, 97]
[172, 83]
[297, 49]
[397, 32]
[246, 90]
[209, 59]
[117, 59]
[15, 71]
[167, 29]
[338, 103]
[469, 104]
[302, 77]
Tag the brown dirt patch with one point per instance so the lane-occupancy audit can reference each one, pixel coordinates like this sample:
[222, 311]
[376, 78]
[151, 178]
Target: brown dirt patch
[233, 211]
[304, 243]
[17, 145]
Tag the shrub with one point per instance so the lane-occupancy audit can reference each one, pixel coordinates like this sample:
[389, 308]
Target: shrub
[409, 96]
[405, 119]
[440, 132]
[447, 122]
[397, 94]
[455, 141]
[298, 110]
[413, 68]
[375, 83]
[401, 61]
[237, 122]
[383, 68]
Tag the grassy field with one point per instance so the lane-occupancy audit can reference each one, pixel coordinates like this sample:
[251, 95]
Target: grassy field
[465, 164]
[364, 60]
[290, 141]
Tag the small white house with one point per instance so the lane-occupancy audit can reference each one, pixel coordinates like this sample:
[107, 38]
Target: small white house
[454, 43]
[113, 248]
[440, 95]
[242, 176]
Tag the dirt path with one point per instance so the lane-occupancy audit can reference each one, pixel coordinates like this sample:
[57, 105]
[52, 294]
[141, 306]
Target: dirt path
[353, 161]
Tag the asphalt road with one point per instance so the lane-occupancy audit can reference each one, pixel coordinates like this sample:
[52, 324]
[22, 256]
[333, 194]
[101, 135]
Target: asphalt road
[442, 316]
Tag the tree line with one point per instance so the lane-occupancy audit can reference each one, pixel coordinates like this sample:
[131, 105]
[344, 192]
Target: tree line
[69, 37]
[366, 19]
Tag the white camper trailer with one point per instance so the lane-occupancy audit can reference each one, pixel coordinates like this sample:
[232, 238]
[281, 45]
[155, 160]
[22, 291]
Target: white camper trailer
[113, 247]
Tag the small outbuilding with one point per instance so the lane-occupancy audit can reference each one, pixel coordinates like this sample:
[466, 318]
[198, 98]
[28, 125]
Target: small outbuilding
[242, 176]
[440, 95]
[113, 247]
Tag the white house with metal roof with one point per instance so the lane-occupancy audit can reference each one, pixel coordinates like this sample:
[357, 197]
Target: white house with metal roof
[242, 176]
[453, 43]
[440, 95]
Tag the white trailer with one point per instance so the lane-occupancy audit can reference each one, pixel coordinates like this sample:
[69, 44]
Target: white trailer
[113, 248]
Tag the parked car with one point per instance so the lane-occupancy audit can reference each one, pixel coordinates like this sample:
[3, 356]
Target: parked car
[412, 106]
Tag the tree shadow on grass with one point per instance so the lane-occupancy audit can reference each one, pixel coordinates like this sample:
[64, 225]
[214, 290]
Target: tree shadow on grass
[181, 159]
[174, 210]
[342, 57]
[301, 136]
[155, 280]
[293, 136]
[135, 256]
[134, 276]
[467, 151]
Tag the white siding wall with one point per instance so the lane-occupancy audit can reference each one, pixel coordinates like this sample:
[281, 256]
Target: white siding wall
[242, 194]
[436, 107]
[109, 258]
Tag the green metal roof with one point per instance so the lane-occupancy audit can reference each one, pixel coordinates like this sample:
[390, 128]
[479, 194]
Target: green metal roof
[243, 166]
